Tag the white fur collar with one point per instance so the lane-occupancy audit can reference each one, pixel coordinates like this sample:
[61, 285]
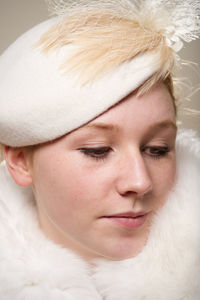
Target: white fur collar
[32, 267]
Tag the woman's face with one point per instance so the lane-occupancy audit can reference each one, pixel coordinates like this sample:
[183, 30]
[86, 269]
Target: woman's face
[98, 188]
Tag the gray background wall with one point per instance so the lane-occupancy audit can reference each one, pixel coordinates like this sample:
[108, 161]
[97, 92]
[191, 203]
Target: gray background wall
[17, 16]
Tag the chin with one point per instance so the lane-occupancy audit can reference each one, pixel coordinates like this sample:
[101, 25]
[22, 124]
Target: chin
[121, 254]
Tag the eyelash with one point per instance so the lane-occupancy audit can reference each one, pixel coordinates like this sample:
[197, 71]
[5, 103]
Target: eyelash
[101, 153]
[159, 151]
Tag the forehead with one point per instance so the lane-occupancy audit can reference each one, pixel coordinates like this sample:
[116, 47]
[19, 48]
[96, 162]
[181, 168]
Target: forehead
[138, 116]
[156, 106]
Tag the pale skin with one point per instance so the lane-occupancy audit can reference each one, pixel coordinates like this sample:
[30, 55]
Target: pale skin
[123, 161]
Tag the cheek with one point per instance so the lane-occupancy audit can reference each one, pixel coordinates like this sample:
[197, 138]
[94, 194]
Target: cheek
[163, 179]
[65, 190]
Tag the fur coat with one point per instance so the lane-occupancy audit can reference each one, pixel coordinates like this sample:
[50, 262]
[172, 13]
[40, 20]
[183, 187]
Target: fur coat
[168, 268]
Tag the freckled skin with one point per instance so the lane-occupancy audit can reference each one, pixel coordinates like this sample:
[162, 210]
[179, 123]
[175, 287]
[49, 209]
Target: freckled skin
[74, 189]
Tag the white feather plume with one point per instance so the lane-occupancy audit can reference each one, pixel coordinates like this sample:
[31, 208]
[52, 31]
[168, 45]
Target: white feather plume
[177, 20]
[181, 19]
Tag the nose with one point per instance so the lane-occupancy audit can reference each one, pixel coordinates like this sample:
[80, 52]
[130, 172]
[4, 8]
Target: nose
[133, 175]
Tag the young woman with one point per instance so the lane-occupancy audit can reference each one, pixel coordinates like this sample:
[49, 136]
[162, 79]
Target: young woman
[99, 196]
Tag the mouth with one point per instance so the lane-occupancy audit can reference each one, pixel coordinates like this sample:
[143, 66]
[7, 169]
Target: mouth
[128, 220]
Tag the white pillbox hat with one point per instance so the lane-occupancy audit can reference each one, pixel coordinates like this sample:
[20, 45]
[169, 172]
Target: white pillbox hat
[39, 102]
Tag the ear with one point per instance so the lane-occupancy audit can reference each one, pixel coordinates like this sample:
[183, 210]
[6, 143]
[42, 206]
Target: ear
[17, 161]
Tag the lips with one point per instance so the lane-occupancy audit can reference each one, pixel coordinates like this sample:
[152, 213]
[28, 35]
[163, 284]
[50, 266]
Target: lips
[128, 220]
[128, 214]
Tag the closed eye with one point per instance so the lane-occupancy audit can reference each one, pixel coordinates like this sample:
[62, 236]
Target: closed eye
[100, 153]
[157, 152]
[96, 153]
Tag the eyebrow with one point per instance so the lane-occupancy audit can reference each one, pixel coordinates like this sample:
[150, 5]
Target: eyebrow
[163, 125]
[103, 126]
[154, 127]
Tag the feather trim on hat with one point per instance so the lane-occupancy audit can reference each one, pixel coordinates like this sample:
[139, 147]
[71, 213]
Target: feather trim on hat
[109, 33]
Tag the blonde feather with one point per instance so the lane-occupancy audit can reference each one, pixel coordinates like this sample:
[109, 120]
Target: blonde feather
[108, 33]
[104, 41]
